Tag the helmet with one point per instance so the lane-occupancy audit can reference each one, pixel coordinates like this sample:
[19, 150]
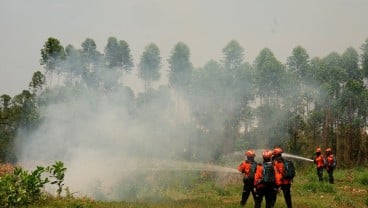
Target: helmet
[328, 150]
[250, 153]
[277, 151]
[318, 150]
[267, 154]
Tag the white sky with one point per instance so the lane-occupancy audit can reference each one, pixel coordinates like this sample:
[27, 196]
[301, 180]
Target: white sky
[206, 26]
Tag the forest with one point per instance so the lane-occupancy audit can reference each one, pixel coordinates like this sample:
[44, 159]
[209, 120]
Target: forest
[203, 113]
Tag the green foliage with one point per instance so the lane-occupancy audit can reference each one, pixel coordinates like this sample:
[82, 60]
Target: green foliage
[23, 187]
[363, 179]
[57, 173]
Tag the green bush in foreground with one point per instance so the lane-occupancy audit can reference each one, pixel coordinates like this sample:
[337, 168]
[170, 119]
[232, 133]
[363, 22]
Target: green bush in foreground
[23, 187]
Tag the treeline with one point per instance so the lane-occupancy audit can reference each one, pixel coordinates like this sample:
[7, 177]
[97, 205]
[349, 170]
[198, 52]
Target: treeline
[231, 104]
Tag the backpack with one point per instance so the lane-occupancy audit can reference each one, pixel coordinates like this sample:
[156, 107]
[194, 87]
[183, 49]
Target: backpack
[268, 175]
[289, 169]
[253, 169]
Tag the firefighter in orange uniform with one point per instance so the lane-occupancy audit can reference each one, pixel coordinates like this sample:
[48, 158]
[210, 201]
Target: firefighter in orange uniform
[265, 181]
[330, 164]
[278, 161]
[320, 164]
[248, 168]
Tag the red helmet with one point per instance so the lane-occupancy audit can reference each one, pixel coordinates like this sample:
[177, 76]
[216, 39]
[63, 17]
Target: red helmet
[267, 154]
[318, 150]
[250, 153]
[328, 150]
[277, 151]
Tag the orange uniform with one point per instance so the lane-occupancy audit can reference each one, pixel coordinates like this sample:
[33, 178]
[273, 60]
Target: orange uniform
[279, 171]
[246, 167]
[320, 161]
[330, 161]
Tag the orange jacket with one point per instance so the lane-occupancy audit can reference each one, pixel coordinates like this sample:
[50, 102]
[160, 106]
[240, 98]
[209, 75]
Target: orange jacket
[259, 174]
[279, 171]
[319, 161]
[246, 168]
[330, 161]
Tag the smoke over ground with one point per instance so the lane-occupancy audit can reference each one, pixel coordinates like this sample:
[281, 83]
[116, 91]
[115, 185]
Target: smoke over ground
[105, 142]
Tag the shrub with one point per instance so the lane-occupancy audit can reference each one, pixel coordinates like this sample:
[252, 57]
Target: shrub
[22, 187]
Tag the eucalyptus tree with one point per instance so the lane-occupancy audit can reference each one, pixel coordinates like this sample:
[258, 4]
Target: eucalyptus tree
[269, 76]
[73, 64]
[51, 55]
[125, 53]
[117, 60]
[91, 62]
[180, 67]
[364, 58]
[330, 76]
[270, 80]
[298, 96]
[208, 106]
[233, 55]
[37, 83]
[150, 65]
[352, 109]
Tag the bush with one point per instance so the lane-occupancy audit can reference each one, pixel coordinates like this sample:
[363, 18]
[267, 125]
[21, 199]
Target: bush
[21, 187]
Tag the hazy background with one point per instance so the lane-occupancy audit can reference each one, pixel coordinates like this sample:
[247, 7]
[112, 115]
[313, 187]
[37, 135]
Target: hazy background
[95, 134]
[206, 26]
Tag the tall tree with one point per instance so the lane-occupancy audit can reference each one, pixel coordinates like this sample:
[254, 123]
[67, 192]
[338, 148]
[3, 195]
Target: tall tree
[127, 59]
[180, 66]
[233, 55]
[150, 65]
[269, 75]
[364, 57]
[91, 61]
[51, 55]
[37, 83]
[74, 64]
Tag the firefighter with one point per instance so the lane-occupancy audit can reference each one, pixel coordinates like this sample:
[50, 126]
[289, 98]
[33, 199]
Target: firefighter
[248, 167]
[265, 181]
[320, 164]
[330, 164]
[278, 161]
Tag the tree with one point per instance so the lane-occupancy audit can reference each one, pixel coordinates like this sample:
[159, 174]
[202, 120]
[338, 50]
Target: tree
[180, 66]
[37, 83]
[364, 57]
[118, 59]
[150, 65]
[112, 54]
[91, 61]
[269, 74]
[298, 63]
[127, 59]
[233, 55]
[74, 64]
[51, 55]
[350, 62]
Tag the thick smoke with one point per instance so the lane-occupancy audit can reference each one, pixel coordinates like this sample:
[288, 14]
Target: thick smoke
[106, 139]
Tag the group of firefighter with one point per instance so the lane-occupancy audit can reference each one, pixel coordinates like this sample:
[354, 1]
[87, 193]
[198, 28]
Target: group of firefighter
[256, 180]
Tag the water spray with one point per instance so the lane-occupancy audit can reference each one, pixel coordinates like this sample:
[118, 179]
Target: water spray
[296, 157]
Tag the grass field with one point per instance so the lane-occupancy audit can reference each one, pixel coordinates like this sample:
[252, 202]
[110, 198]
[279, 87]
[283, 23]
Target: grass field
[207, 189]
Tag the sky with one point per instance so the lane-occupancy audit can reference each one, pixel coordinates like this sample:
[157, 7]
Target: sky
[206, 26]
